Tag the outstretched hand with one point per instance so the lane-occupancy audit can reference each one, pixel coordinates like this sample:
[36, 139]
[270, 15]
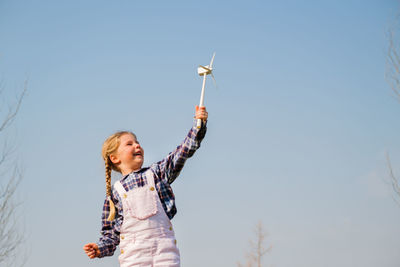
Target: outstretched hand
[92, 250]
[201, 113]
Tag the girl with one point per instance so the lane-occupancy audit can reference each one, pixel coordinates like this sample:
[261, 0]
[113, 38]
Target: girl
[138, 209]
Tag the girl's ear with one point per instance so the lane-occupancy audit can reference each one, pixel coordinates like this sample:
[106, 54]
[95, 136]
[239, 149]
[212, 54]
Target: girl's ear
[114, 159]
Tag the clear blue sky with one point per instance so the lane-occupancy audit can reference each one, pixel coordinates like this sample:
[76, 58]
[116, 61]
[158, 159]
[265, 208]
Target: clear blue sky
[297, 132]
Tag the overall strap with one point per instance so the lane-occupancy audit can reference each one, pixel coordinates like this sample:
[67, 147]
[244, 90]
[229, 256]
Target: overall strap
[150, 178]
[120, 189]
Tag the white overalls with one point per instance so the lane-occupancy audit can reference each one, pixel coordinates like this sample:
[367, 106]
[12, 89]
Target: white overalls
[147, 238]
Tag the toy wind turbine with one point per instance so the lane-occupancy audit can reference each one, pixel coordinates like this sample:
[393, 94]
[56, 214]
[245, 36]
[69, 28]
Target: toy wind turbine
[204, 71]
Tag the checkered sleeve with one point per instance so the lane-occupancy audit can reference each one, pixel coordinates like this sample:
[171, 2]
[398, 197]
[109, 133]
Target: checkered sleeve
[169, 168]
[110, 231]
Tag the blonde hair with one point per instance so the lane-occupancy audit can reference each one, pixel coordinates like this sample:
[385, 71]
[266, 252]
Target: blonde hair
[110, 146]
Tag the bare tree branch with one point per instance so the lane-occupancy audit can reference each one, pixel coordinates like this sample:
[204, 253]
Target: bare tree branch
[257, 248]
[393, 65]
[393, 78]
[11, 236]
[394, 181]
[13, 109]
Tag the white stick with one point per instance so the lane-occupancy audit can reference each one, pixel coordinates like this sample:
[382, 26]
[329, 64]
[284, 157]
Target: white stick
[202, 98]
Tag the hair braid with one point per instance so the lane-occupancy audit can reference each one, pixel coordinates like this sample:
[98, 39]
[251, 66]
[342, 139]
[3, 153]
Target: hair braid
[108, 190]
[108, 177]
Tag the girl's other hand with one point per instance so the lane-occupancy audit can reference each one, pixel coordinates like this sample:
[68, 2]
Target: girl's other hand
[201, 113]
[92, 250]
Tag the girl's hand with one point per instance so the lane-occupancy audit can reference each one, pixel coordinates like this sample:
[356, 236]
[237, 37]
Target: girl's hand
[92, 250]
[201, 113]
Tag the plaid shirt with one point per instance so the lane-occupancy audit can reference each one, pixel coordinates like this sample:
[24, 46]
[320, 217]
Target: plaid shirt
[164, 172]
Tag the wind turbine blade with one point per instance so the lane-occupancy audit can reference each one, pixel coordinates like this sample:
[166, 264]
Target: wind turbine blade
[212, 60]
[215, 82]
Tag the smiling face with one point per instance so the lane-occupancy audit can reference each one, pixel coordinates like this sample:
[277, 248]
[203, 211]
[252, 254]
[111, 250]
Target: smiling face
[129, 155]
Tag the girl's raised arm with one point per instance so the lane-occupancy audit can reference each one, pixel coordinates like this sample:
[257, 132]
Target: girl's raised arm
[170, 167]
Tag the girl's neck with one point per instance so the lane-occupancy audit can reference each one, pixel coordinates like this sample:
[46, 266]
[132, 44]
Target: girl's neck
[127, 171]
